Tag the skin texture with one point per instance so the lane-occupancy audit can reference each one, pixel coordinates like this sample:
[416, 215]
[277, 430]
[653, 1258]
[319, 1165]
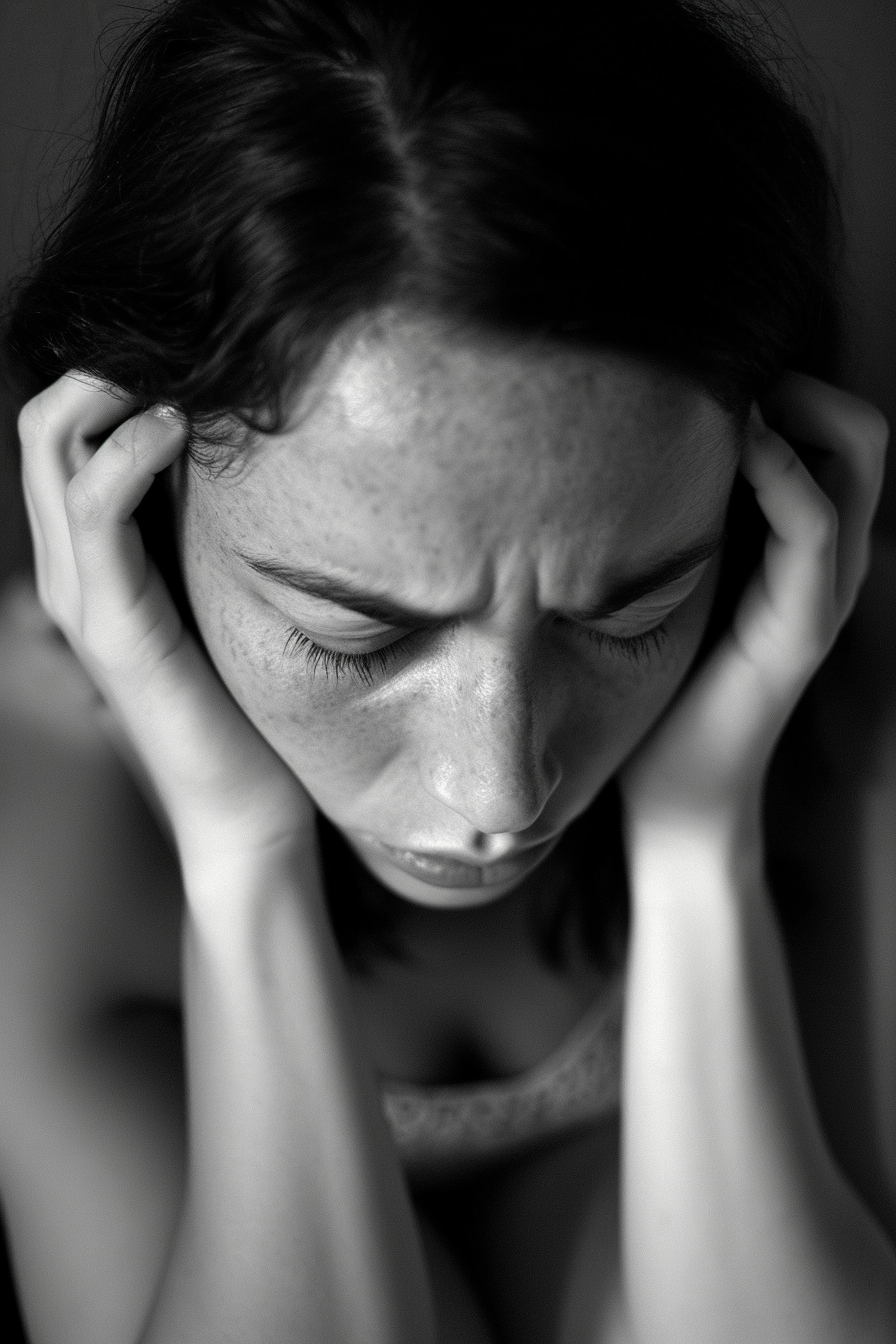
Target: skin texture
[493, 486]
[734, 1221]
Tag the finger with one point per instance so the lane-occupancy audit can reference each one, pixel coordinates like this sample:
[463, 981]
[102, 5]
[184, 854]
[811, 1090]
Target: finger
[845, 440]
[100, 501]
[790, 613]
[39, 548]
[54, 427]
[58, 424]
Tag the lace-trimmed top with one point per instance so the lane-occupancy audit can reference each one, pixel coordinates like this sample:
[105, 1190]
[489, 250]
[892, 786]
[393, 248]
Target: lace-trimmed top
[451, 1130]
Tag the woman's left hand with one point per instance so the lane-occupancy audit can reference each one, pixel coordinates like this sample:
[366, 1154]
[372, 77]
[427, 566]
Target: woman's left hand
[704, 763]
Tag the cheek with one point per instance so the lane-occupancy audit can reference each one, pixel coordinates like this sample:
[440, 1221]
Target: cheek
[616, 702]
[324, 730]
[343, 740]
[327, 739]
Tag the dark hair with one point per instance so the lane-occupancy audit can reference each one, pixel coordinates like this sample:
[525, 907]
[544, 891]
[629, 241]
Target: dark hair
[624, 174]
[632, 174]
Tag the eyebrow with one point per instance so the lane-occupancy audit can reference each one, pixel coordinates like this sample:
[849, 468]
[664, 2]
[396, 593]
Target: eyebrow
[379, 607]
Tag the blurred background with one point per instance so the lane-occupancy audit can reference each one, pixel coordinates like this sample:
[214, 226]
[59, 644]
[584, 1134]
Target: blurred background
[51, 54]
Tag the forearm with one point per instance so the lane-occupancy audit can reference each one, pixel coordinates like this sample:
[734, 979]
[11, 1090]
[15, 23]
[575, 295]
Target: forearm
[738, 1227]
[296, 1222]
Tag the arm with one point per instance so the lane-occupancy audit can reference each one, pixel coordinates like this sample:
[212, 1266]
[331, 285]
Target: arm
[738, 1227]
[295, 1222]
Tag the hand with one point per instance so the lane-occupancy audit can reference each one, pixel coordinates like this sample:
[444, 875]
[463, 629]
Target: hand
[222, 788]
[704, 763]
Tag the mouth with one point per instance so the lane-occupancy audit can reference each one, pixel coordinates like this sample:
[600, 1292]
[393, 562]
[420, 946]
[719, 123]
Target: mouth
[446, 870]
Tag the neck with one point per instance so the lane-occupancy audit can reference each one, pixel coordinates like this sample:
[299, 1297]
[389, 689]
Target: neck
[506, 923]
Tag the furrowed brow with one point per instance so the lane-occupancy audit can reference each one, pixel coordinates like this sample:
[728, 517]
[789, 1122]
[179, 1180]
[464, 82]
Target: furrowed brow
[650, 581]
[378, 607]
[314, 583]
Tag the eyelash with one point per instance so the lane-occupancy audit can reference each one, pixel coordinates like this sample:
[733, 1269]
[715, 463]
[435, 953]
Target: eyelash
[366, 666]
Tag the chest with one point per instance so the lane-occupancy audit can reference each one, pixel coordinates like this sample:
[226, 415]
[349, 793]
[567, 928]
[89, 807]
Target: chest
[456, 1019]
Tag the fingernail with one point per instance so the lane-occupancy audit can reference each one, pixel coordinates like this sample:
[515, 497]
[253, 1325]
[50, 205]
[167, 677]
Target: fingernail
[165, 412]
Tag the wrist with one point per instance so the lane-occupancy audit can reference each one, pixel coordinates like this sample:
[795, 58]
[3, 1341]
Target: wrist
[677, 855]
[222, 880]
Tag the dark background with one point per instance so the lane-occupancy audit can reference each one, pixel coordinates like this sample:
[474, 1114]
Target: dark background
[50, 56]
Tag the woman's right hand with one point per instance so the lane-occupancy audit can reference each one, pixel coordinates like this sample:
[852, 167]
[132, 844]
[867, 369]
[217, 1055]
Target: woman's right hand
[224, 791]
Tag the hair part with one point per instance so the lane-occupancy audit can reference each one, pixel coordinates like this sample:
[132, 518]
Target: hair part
[635, 176]
[632, 176]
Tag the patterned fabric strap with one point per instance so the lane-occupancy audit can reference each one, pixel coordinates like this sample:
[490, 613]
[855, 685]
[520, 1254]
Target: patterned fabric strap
[450, 1129]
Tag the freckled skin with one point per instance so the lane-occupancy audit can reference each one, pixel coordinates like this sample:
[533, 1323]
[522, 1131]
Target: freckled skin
[494, 483]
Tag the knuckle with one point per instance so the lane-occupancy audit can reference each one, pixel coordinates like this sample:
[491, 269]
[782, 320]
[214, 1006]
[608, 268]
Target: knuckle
[32, 421]
[83, 504]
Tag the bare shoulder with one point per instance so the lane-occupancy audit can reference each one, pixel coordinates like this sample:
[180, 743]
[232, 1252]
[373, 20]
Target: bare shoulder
[91, 1112]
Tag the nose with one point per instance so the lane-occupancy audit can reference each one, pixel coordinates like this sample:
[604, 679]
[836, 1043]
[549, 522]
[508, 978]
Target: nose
[487, 754]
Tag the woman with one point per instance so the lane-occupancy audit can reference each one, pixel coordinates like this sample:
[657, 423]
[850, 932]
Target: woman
[452, 369]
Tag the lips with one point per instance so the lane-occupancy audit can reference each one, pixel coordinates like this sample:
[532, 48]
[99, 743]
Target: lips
[446, 870]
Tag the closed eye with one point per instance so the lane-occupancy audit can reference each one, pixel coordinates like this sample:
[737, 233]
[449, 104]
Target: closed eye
[334, 662]
[636, 631]
[648, 611]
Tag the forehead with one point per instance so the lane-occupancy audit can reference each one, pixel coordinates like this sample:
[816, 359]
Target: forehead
[415, 445]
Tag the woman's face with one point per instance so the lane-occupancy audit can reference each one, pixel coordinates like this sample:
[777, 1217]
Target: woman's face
[458, 591]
